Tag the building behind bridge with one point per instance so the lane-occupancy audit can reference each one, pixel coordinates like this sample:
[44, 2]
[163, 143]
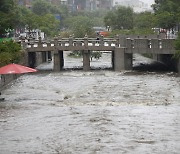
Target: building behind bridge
[74, 5]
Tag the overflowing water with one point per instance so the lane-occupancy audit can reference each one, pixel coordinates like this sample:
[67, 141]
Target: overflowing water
[100, 111]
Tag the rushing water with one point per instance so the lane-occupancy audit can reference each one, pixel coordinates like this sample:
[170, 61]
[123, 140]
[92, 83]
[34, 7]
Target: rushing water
[76, 112]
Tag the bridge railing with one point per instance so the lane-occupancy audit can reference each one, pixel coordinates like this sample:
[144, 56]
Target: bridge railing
[70, 42]
[150, 45]
[136, 45]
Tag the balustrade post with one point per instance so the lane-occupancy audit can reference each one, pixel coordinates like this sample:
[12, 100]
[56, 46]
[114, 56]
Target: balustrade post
[59, 37]
[70, 40]
[101, 40]
[86, 42]
[40, 42]
[24, 44]
[155, 48]
[122, 41]
[117, 41]
[129, 45]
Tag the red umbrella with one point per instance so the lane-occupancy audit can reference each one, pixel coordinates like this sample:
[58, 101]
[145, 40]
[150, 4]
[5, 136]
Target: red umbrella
[16, 69]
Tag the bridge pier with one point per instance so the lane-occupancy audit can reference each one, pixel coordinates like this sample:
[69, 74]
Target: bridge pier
[36, 58]
[178, 66]
[44, 56]
[172, 63]
[122, 60]
[32, 59]
[49, 55]
[58, 61]
[86, 60]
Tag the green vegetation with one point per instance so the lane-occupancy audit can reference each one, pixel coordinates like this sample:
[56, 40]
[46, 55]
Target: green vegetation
[75, 54]
[42, 16]
[5, 39]
[123, 20]
[167, 13]
[120, 18]
[131, 32]
[144, 20]
[93, 54]
[80, 26]
[8, 18]
[10, 52]
[177, 47]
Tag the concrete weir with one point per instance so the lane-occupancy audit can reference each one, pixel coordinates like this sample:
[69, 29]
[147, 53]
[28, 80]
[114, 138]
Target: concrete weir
[122, 48]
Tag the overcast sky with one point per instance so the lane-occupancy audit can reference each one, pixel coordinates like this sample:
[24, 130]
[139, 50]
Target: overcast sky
[148, 1]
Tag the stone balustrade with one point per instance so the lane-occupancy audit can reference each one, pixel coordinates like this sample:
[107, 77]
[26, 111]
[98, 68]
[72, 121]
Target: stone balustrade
[136, 45]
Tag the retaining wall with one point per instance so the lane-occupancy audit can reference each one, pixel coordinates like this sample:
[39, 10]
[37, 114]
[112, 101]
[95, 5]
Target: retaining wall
[6, 79]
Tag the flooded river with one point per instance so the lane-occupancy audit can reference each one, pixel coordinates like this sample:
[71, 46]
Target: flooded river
[95, 112]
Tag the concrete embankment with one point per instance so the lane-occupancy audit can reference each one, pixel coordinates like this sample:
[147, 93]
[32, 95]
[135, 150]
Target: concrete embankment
[5, 79]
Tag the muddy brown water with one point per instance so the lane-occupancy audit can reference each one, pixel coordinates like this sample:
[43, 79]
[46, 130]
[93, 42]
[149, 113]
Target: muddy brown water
[106, 112]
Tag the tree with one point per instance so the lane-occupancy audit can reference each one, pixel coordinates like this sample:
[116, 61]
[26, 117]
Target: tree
[144, 20]
[41, 7]
[48, 24]
[120, 18]
[167, 13]
[8, 18]
[27, 19]
[80, 26]
[166, 20]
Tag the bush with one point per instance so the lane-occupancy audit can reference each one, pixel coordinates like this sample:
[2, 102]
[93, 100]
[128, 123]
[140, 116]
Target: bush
[95, 54]
[75, 54]
[10, 52]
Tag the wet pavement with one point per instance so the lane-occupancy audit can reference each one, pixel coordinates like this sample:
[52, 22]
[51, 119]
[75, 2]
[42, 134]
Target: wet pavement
[105, 112]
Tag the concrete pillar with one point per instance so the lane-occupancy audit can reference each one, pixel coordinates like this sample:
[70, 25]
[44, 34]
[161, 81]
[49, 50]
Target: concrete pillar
[172, 63]
[58, 61]
[49, 55]
[122, 41]
[61, 59]
[24, 58]
[86, 60]
[47, 52]
[32, 59]
[39, 58]
[44, 58]
[122, 61]
[128, 61]
[112, 59]
[155, 56]
[178, 66]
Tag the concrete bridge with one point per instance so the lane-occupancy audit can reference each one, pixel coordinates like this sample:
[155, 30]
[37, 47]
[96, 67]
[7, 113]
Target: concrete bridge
[122, 48]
